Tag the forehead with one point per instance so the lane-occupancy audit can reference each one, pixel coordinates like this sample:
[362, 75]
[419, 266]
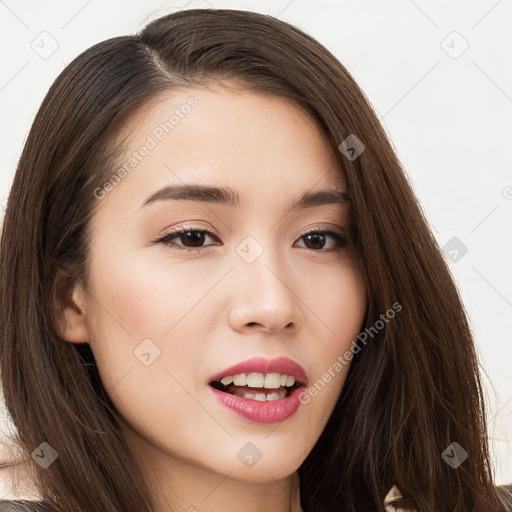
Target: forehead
[247, 141]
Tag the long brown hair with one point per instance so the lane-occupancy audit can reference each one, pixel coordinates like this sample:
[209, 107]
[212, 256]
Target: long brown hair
[411, 391]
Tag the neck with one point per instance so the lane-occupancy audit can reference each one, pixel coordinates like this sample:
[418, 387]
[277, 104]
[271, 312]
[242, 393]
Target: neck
[179, 484]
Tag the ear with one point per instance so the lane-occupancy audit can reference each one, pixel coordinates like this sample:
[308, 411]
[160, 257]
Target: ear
[69, 315]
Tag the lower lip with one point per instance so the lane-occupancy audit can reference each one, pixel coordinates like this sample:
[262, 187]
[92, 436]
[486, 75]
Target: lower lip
[272, 411]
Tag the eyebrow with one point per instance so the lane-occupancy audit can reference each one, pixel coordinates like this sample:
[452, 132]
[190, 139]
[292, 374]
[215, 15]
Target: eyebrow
[229, 197]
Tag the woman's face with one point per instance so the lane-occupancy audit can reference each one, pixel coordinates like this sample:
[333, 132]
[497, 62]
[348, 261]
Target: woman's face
[162, 320]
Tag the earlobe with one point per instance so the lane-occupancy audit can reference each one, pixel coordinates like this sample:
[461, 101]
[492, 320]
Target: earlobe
[70, 318]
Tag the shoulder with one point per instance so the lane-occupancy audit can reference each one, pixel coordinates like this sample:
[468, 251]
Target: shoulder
[391, 500]
[393, 497]
[21, 506]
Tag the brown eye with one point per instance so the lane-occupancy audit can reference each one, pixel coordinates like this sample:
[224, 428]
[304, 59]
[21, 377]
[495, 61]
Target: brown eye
[316, 240]
[191, 239]
[194, 238]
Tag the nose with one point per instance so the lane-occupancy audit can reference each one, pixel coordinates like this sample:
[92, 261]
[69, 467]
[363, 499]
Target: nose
[264, 298]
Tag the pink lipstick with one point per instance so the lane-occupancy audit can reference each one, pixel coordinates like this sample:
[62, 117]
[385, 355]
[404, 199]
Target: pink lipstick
[261, 390]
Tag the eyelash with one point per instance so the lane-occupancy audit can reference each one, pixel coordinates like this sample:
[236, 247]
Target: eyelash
[166, 239]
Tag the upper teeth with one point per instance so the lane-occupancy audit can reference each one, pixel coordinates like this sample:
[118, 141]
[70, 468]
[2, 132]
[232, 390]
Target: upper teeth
[258, 380]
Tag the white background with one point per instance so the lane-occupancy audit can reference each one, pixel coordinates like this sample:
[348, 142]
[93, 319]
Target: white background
[447, 112]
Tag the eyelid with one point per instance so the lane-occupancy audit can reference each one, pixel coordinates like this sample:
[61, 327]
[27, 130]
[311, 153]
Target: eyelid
[329, 228]
[324, 228]
[305, 231]
[176, 231]
[185, 227]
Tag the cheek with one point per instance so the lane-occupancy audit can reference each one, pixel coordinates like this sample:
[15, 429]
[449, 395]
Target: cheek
[142, 323]
[346, 309]
[144, 304]
[149, 298]
[340, 306]
[338, 301]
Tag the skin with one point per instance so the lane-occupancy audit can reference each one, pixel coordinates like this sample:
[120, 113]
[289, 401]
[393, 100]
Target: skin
[209, 309]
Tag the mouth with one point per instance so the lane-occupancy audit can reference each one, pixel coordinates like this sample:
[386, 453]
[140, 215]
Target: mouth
[261, 390]
[258, 386]
[261, 379]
